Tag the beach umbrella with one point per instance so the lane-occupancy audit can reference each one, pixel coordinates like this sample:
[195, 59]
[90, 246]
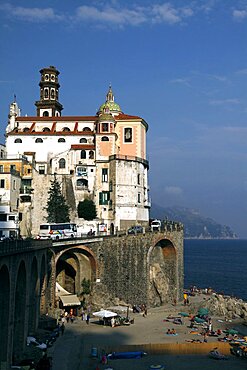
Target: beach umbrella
[203, 311]
[232, 331]
[184, 314]
[198, 320]
[104, 313]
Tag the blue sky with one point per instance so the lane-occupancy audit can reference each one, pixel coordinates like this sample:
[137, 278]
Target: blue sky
[181, 65]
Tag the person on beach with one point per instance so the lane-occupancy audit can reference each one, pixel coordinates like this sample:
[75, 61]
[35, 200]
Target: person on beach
[88, 318]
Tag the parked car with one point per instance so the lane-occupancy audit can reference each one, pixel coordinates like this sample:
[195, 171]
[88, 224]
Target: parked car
[135, 230]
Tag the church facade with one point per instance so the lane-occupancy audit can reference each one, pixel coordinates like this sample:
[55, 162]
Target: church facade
[100, 157]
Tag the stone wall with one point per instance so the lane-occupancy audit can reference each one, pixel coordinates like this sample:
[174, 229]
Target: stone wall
[139, 269]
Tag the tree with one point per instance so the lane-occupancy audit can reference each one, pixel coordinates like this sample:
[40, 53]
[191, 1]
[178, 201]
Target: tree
[87, 210]
[57, 209]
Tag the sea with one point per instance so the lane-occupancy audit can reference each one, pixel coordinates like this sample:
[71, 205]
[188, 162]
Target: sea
[220, 264]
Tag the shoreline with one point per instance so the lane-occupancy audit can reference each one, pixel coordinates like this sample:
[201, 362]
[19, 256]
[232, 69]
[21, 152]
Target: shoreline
[75, 346]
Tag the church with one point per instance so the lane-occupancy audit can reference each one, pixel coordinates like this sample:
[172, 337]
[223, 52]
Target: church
[100, 157]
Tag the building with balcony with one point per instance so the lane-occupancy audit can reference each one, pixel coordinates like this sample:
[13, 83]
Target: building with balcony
[101, 157]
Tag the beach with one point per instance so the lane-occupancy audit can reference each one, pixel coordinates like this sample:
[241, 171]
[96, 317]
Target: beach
[78, 347]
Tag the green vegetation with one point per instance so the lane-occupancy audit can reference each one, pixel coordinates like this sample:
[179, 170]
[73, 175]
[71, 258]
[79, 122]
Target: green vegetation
[57, 209]
[87, 210]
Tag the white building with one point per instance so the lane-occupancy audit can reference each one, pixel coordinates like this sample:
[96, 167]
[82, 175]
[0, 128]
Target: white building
[101, 157]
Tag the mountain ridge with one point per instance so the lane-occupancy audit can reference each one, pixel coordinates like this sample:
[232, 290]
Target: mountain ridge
[195, 225]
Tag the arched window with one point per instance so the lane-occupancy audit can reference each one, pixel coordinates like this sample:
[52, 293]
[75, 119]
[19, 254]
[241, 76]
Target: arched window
[38, 140]
[26, 129]
[46, 93]
[45, 113]
[61, 140]
[46, 129]
[66, 129]
[62, 163]
[83, 140]
[91, 154]
[18, 141]
[86, 129]
[83, 154]
[105, 138]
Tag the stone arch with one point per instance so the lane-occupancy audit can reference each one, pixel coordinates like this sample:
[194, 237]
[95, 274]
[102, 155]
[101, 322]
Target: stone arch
[162, 263]
[4, 312]
[33, 297]
[19, 311]
[42, 287]
[80, 263]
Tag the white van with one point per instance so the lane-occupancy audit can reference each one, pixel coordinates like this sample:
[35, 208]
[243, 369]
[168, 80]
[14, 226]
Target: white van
[156, 225]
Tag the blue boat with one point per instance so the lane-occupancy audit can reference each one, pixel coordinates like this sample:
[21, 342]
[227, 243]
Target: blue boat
[125, 355]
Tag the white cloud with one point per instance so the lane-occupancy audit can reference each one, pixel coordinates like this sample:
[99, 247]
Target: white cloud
[239, 15]
[111, 15]
[169, 14]
[225, 102]
[173, 190]
[31, 14]
[183, 81]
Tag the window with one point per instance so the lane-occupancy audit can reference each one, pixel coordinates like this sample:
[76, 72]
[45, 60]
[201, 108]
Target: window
[11, 218]
[139, 198]
[66, 129]
[3, 217]
[128, 135]
[12, 167]
[138, 179]
[105, 127]
[52, 94]
[26, 129]
[2, 183]
[42, 170]
[86, 129]
[14, 185]
[83, 140]
[91, 154]
[45, 113]
[61, 140]
[2, 153]
[110, 186]
[46, 129]
[81, 171]
[105, 138]
[18, 141]
[83, 154]
[104, 174]
[46, 93]
[62, 163]
[38, 140]
[1, 168]
[104, 197]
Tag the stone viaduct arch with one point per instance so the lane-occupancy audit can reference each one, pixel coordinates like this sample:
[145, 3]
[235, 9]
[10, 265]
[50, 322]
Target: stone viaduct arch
[4, 312]
[73, 265]
[163, 271]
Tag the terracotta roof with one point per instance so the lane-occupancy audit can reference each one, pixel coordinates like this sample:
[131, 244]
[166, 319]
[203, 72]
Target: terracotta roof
[72, 118]
[82, 146]
[50, 133]
[57, 119]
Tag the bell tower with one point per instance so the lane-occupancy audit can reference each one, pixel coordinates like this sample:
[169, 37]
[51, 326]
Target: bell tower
[48, 105]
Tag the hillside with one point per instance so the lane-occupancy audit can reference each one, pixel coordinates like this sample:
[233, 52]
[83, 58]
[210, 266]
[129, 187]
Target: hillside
[195, 225]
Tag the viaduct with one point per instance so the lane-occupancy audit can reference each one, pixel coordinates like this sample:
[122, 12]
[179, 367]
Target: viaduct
[145, 268]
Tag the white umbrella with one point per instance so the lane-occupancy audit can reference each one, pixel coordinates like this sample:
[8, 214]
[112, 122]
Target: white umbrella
[104, 313]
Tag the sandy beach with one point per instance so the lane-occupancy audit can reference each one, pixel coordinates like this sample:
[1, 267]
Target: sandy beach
[74, 349]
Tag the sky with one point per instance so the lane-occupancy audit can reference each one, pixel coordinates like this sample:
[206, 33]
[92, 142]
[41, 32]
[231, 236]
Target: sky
[181, 65]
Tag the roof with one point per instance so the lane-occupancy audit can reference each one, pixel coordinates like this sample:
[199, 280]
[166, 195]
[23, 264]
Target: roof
[70, 300]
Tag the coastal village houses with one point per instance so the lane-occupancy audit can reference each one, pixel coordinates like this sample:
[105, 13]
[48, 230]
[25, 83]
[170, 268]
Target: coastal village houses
[100, 157]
